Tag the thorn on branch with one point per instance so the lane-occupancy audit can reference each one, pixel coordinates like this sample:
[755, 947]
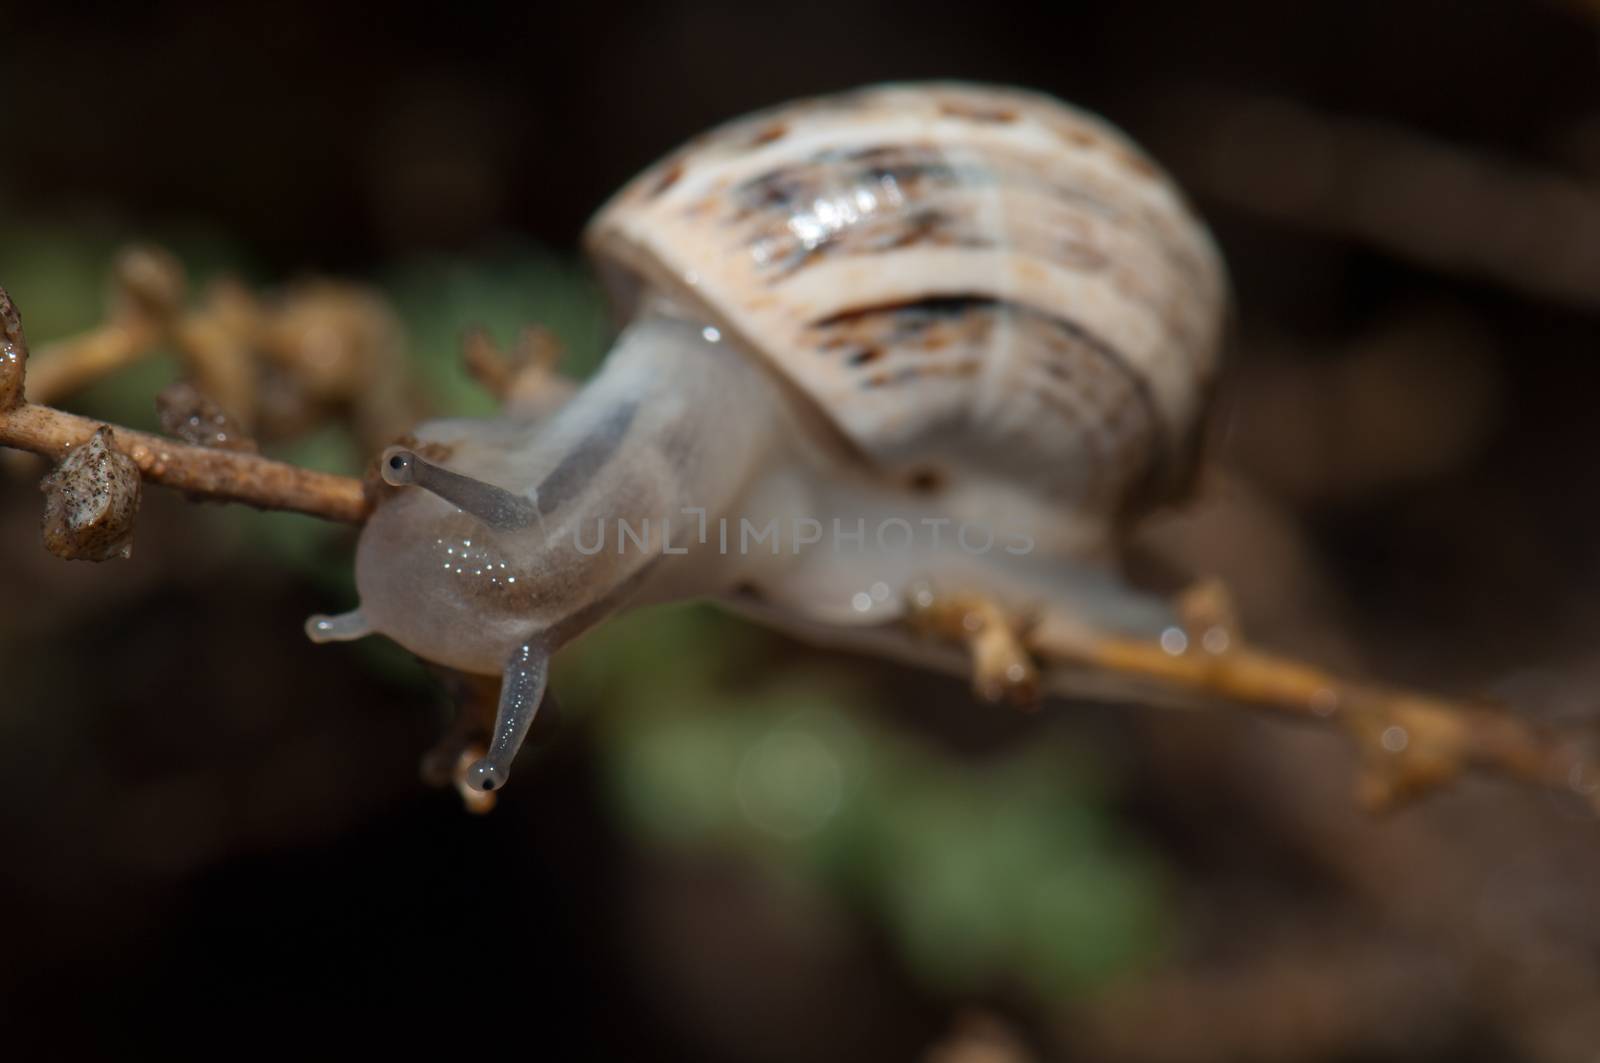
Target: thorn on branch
[91, 502]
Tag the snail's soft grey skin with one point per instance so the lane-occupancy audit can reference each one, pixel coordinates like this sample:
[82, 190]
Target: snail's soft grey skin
[930, 334]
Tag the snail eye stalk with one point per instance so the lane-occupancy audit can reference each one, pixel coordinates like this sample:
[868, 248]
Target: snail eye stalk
[495, 506]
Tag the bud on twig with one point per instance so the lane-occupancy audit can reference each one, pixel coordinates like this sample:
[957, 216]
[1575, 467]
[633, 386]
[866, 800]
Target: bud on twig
[525, 376]
[148, 284]
[191, 415]
[91, 500]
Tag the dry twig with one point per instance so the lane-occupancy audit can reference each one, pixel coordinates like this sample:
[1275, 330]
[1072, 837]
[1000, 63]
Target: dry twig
[1410, 743]
[525, 379]
[221, 475]
[147, 292]
[276, 366]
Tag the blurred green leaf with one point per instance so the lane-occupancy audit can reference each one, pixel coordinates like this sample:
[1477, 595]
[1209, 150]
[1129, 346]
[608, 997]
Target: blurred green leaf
[439, 298]
[1010, 870]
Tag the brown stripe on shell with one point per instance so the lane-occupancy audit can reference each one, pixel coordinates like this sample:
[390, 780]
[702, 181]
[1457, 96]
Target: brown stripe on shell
[912, 168]
[670, 176]
[907, 373]
[1082, 373]
[1081, 377]
[783, 254]
[871, 200]
[926, 324]
[767, 134]
[1075, 132]
[864, 201]
[983, 106]
[1105, 194]
[972, 111]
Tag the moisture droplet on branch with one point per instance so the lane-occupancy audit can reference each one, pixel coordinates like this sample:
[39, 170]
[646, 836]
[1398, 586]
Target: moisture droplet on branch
[13, 353]
[91, 500]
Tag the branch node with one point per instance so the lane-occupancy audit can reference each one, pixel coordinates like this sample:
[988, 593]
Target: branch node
[525, 377]
[149, 285]
[192, 416]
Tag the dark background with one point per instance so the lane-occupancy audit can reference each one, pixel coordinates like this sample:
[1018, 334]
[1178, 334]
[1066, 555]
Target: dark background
[212, 829]
[331, 138]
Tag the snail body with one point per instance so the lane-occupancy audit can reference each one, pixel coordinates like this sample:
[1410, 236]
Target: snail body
[915, 333]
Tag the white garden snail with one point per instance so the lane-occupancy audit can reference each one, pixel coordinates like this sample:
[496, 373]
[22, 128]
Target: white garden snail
[973, 314]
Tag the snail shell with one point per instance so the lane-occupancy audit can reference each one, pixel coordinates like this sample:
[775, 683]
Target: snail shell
[973, 283]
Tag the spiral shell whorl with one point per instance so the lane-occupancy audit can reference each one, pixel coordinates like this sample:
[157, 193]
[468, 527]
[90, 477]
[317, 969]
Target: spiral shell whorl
[980, 275]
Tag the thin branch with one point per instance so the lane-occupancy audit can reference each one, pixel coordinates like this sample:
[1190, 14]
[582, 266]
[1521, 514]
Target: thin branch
[147, 293]
[67, 366]
[1410, 742]
[222, 475]
[219, 475]
[524, 379]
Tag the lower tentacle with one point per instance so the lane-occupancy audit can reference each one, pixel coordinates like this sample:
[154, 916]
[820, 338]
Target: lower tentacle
[521, 690]
[342, 628]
